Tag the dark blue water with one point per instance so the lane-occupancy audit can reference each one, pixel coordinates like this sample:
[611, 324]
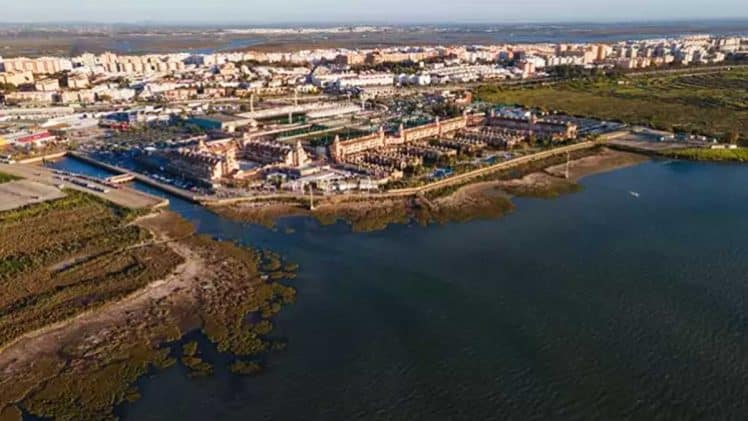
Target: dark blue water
[80, 167]
[595, 305]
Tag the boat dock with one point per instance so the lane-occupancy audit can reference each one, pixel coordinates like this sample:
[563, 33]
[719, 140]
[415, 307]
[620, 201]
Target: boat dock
[125, 176]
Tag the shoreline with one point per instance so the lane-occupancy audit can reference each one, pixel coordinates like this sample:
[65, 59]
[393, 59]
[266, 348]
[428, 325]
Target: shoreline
[479, 198]
[459, 179]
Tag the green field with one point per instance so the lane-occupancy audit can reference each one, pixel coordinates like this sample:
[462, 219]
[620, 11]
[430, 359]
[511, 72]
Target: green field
[714, 104]
[4, 178]
[698, 154]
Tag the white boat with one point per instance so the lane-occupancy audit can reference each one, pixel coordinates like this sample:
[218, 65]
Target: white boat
[635, 194]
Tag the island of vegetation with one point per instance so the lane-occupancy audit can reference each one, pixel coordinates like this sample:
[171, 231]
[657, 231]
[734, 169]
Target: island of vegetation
[6, 177]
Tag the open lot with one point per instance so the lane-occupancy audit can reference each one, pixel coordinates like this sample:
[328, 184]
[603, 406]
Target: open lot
[123, 196]
[651, 141]
[15, 194]
[713, 104]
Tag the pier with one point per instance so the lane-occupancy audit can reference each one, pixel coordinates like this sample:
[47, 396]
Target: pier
[124, 174]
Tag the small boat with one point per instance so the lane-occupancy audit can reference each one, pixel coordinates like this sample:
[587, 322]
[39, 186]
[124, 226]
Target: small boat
[635, 194]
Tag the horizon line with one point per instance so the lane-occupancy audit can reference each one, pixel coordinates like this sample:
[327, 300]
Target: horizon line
[354, 23]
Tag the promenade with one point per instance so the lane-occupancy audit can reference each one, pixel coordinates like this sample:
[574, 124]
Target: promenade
[414, 191]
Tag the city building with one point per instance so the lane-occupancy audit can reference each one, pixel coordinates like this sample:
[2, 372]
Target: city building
[532, 126]
[17, 78]
[223, 122]
[206, 163]
[270, 152]
[47, 85]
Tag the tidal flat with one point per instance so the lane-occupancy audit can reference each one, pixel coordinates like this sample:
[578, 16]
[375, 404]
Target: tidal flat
[93, 296]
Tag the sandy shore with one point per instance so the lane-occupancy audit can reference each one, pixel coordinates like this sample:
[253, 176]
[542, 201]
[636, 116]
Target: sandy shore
[606, 160]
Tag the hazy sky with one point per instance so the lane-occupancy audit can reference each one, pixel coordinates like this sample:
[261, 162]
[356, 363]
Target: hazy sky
[394, 11]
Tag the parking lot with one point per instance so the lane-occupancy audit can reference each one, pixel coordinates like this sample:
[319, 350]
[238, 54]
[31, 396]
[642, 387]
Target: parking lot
[16, 194]
[43, 176]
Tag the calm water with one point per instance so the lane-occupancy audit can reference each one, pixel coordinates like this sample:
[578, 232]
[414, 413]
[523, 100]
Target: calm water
[595, 305]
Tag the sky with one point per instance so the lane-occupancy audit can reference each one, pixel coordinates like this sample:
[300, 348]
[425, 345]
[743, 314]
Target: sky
[361, 11]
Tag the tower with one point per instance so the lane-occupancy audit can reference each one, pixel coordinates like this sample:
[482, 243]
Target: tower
[336, 150]
[299, 157]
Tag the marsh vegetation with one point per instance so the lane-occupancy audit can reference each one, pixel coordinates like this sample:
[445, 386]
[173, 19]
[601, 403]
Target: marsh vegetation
[94, 296]
[701, 154]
